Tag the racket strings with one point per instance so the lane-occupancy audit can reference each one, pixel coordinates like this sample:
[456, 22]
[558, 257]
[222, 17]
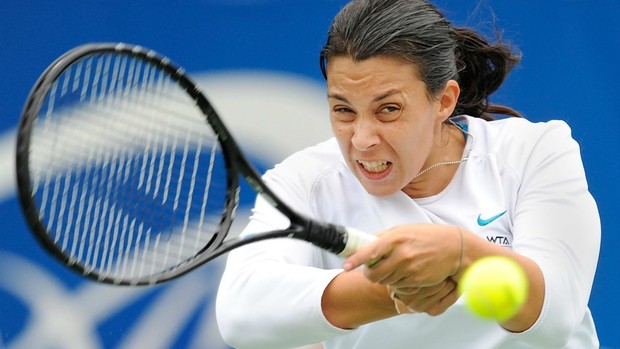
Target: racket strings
[128, 177]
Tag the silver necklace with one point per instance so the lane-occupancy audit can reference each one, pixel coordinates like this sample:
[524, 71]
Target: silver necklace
[452, 162]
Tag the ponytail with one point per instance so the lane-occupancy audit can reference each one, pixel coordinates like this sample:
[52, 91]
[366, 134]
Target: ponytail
[481, 68]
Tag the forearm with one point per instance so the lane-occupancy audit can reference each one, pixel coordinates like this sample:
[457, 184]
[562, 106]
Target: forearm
[266, 303]
[351, 300]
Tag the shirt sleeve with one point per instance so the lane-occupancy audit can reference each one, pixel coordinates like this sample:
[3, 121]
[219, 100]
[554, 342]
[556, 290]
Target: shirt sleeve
[557, 225]
[270, 292]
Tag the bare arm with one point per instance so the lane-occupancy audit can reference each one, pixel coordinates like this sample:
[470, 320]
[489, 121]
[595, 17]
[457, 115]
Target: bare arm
[425, 257]
[352, 300]
[343, 297]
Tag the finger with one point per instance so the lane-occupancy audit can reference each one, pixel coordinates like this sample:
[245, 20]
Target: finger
[370, 256]
[379, 275]
[433, 299]
[406, 291]
[373, 254]
[412, 294]
[443, 304]
[373, 261]
[407, 282]
[421, 296]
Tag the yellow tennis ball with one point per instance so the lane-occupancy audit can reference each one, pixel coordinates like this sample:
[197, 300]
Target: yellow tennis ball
[494, 287]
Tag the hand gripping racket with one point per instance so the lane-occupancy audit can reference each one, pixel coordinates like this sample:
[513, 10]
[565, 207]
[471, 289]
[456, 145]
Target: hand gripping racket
[128, 176]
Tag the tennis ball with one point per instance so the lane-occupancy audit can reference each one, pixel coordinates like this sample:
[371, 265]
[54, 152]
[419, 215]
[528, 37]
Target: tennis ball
[494, 287]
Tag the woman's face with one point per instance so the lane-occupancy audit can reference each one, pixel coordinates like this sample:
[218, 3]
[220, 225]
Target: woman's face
[383, 119]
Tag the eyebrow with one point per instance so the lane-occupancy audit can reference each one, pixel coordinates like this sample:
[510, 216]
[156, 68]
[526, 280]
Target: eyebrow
[376, 99]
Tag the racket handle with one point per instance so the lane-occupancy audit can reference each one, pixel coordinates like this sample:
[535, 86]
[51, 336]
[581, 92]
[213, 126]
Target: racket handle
[355, 240]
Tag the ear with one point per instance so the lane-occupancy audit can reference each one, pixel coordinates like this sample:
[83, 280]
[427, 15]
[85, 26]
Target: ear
[448, 99]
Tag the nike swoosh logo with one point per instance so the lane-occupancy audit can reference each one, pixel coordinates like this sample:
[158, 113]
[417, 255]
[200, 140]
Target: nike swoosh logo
[485, 221]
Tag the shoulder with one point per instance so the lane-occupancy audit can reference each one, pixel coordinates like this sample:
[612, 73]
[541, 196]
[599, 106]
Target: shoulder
[310, 162]
[306, 175]
[516, 130]
[515, 137]
[523, 145]
[316, 181]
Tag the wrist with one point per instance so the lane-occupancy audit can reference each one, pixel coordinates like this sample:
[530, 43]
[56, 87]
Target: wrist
[399, 306]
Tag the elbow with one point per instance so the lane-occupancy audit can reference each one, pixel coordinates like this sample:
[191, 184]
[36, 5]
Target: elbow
[232, 334]
[556, 336]
[227, 328]
[557, 326]
[233, 325]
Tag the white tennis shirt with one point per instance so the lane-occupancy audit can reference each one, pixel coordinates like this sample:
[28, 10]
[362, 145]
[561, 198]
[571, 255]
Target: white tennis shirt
[270, 294]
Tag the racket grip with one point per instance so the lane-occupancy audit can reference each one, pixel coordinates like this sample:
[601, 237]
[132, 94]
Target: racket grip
[355, 240]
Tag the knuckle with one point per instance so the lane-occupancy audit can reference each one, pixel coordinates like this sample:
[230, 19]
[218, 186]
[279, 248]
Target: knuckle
[435, 311]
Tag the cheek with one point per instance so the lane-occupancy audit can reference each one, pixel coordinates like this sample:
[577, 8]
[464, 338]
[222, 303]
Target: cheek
[342, 132]
[342, 137]
[336, 128]
[414, 148]
[338, 132]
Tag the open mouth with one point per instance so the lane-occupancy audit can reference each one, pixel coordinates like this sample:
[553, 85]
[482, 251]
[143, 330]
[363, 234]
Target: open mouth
[374, 166]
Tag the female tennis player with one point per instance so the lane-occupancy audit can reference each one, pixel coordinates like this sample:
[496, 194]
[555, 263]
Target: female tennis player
[418, 158]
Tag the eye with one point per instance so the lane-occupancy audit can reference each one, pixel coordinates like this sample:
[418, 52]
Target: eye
[390, 109]
[343, 113]
[389, 113]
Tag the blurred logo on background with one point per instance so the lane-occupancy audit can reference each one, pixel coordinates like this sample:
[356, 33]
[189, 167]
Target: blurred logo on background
[271, 115]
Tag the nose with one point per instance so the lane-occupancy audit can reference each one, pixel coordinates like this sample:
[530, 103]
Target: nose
[365, 135]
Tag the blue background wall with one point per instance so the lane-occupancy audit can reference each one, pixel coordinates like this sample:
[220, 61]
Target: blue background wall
[569, 71]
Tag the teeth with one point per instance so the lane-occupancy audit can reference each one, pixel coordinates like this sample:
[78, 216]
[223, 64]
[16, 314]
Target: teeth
[374, 166]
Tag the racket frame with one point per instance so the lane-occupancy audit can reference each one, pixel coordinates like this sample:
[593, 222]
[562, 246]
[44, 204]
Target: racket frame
[327, 236]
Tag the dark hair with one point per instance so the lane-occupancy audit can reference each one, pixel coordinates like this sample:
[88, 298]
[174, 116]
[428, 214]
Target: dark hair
[417, 32]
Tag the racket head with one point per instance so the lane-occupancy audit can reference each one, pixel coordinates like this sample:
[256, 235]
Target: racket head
[120, 176]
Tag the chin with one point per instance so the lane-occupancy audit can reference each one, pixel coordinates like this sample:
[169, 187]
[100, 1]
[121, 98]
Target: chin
[380, 190]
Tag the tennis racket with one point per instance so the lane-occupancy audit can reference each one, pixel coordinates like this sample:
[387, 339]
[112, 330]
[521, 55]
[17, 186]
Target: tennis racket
[127, 174]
